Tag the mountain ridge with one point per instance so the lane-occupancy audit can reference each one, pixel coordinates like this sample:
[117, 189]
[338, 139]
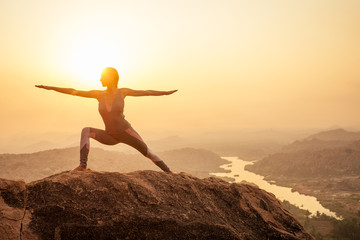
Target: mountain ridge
[338, 134]
[33, 166]
[315, 157]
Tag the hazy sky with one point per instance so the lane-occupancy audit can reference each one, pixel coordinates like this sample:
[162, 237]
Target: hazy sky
[237, 64]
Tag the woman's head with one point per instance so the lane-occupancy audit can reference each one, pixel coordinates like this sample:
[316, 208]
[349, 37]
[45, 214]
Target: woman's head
[109, 76]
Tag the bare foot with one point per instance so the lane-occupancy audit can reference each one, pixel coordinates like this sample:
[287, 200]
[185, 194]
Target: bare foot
[80, 168]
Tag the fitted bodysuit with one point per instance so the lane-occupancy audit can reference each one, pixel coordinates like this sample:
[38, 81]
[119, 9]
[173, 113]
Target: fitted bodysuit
[113, 117]
[117, 129]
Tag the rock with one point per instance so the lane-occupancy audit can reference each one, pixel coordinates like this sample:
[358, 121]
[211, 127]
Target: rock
[12, 211]
[141, 205]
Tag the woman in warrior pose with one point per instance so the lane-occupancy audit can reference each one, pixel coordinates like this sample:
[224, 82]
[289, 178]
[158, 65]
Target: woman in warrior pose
[111, 108]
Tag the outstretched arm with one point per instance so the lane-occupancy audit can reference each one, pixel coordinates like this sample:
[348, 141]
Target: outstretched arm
[138, 93]
[71, 91]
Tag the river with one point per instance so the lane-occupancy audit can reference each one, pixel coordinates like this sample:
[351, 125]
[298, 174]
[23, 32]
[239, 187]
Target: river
[238, 172]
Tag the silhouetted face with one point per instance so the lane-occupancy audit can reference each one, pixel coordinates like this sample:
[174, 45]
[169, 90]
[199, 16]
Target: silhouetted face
[109, 77]
[106, 79]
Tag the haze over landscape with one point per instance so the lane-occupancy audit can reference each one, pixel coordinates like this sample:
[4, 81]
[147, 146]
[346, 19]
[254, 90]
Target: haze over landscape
[273, 83]
[237, 64]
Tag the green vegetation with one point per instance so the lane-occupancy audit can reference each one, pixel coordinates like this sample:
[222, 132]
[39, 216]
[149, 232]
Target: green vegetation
[347, 229]
[323, 227]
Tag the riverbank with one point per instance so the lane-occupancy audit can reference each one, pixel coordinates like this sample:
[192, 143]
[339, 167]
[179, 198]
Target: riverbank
[236, 170]
[320, 225]
[340, 194]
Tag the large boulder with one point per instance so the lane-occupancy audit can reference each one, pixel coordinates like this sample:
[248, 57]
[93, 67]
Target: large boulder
[141, 205]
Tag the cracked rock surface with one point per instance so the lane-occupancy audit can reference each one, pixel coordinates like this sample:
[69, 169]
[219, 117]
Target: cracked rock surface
[13, 220]
[141, 205]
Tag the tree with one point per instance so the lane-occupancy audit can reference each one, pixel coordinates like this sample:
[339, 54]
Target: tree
[348, 229]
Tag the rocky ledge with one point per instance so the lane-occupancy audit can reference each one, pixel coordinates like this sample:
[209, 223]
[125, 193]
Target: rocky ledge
[141, 205]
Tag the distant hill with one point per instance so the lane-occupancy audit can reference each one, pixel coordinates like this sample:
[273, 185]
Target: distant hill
[336, 135]
[246, 144]
[326, 154]
[312, 144]
[323, 140]
[33, 166]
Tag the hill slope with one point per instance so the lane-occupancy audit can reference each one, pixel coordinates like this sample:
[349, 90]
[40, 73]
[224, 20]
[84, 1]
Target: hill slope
[320, 155]
[336, 135]
[325, 165]
[141, 205]
[33, 166]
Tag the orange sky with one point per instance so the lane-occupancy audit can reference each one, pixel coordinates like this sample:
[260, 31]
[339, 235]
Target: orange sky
[237, 64]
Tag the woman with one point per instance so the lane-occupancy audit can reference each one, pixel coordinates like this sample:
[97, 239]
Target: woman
[111, 108]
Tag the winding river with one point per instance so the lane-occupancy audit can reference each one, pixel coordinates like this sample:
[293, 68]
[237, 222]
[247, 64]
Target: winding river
[238, 172]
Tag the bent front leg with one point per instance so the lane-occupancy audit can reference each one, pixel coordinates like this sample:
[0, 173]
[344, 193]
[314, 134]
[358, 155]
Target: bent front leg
[97, 134]
[85, 145]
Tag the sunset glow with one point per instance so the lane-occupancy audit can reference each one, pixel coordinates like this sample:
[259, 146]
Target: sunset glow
[237, 64]
[257, 92]
[89, 57]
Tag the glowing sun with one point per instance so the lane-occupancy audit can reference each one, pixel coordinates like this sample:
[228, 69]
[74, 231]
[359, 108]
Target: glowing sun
[90, 56]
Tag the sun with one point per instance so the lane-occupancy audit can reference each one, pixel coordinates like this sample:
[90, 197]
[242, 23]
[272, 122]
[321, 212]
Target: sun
[89, 57]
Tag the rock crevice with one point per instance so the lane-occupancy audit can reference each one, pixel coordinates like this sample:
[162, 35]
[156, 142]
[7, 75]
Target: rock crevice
[23, 217]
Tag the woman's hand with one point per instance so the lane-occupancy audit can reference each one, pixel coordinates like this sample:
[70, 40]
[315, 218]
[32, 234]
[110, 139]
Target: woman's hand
[170, 92]
[44, 87]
